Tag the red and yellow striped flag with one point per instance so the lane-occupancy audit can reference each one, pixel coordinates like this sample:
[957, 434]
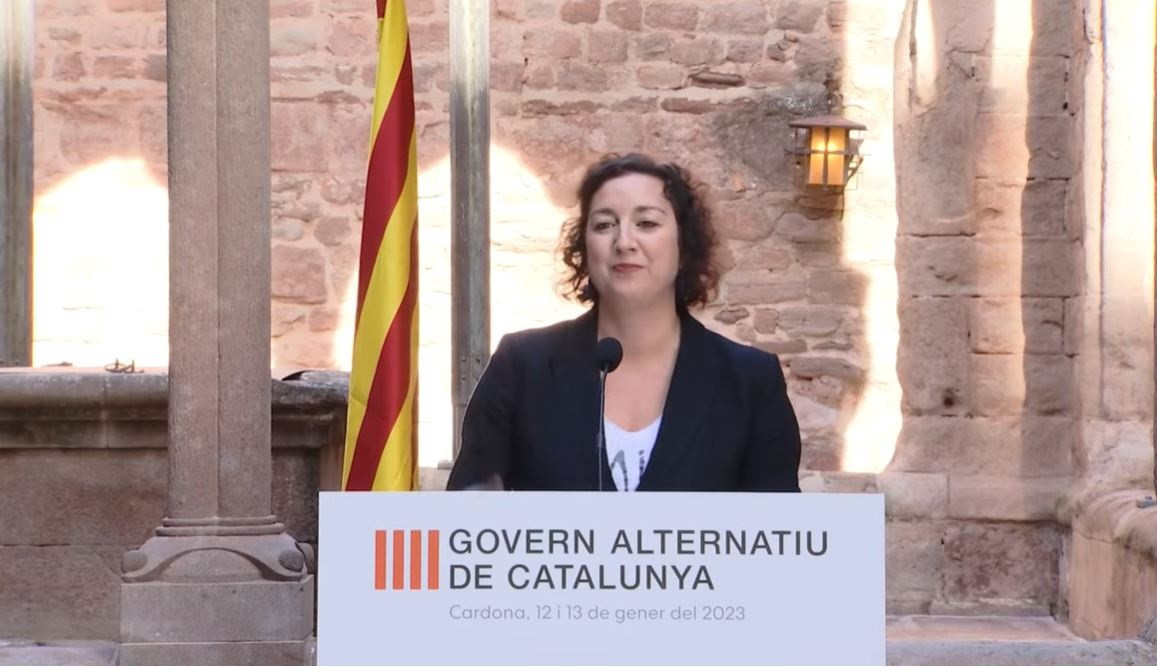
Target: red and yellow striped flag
[381, 429]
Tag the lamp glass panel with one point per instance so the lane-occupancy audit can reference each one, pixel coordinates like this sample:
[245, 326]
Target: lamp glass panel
[837, 144]
[818, 145]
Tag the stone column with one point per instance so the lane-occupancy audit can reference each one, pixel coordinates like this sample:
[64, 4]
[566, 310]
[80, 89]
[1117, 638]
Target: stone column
[1116, 346]
[17, 46]
[220, 581]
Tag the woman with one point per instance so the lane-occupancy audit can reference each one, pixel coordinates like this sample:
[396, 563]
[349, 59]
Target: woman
[686, 409]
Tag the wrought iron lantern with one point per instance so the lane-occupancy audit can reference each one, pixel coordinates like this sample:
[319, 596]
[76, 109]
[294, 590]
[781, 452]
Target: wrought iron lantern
[827, 150]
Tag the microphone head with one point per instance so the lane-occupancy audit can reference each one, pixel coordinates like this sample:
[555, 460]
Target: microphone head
[608, 354]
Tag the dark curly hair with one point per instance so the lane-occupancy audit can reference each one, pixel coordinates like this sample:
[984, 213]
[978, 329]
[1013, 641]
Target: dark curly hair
[698, 276]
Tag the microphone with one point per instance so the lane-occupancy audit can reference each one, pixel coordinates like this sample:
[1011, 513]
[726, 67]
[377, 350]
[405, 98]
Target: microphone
[608, 355]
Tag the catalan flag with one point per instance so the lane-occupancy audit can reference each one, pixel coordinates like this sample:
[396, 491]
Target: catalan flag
[381, 430]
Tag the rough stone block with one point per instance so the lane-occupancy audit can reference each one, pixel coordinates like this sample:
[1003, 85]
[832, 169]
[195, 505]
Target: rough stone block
[431, 38]
[1010, 447]
[660, 77]
[914, 495]
[914, 559]
[1049, 267]
[298, 274]
[744, 50]
[811, 320]
[845, 287]
[932, 365]
[552, 43]
[225, 612]
[766, 320]
[1025, 446]
[136, 5]
[653, 46]
[1112, 572]
[935, 266]
[764, 257]
[15, 434]
[1028, 208]
[1007, 385]
[298, 138]
[1001, 562]
[697, 51]
[1052, 28]
[217, 653]
[744, 220]
[704, 106]
[1017, 146]
[817, 58]
[85, 497]
[1005, 498]
[799, 15]
[1015, 326]
[948, 266]
[608, 46]
[293, 39]
[1074, 308]
[140, 433]
[927, 444]
[580, 77]
[782, 347]
[540, 77]
[296, 480]
[626, 14]
[800, 229]
[671, 16]
[821, 451]
[52, 592]
[580, 11]
[1040, 96]
[837, 482]
[58, 652]
[765, 293]
[116, 67]
[816, 366]
[749, 16]
[289, 8]
[764, 75]
[1114, 454]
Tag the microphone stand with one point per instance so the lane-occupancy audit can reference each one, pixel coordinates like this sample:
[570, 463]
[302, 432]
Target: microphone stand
[601, 439]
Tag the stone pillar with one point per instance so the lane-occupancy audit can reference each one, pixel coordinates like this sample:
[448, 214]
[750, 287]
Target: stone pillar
[1116, 345]
[17, 46]
[220, 581]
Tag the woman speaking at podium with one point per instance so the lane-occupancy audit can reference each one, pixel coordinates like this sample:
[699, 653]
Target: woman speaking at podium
[684, 409]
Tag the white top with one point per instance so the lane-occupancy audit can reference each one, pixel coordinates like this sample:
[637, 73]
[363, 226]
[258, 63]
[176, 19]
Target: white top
[629, 451]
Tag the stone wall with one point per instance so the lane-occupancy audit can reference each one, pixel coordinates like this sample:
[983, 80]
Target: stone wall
[83, 476]
[711, 85]
[930, 318]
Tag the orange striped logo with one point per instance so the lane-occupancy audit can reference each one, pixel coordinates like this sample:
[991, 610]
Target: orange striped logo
[392, 554]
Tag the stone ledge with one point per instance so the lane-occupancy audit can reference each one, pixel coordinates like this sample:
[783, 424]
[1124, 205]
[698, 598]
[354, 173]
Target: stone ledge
[27, 652]
[81, 391]
[908, 652]
[1112, 574]
[1116, 518]
[95, 409]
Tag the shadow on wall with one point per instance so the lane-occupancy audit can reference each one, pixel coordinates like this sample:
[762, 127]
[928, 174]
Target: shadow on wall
[987, 274]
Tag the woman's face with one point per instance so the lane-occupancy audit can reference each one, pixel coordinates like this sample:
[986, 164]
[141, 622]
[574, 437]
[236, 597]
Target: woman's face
[632, 241]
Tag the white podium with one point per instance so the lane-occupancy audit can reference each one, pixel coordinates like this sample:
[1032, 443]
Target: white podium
[490, 578]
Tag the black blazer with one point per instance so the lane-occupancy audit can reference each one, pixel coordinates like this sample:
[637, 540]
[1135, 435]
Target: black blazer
[533, 418]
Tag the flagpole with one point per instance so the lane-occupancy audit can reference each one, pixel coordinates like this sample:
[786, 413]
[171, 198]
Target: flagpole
[469, 199]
